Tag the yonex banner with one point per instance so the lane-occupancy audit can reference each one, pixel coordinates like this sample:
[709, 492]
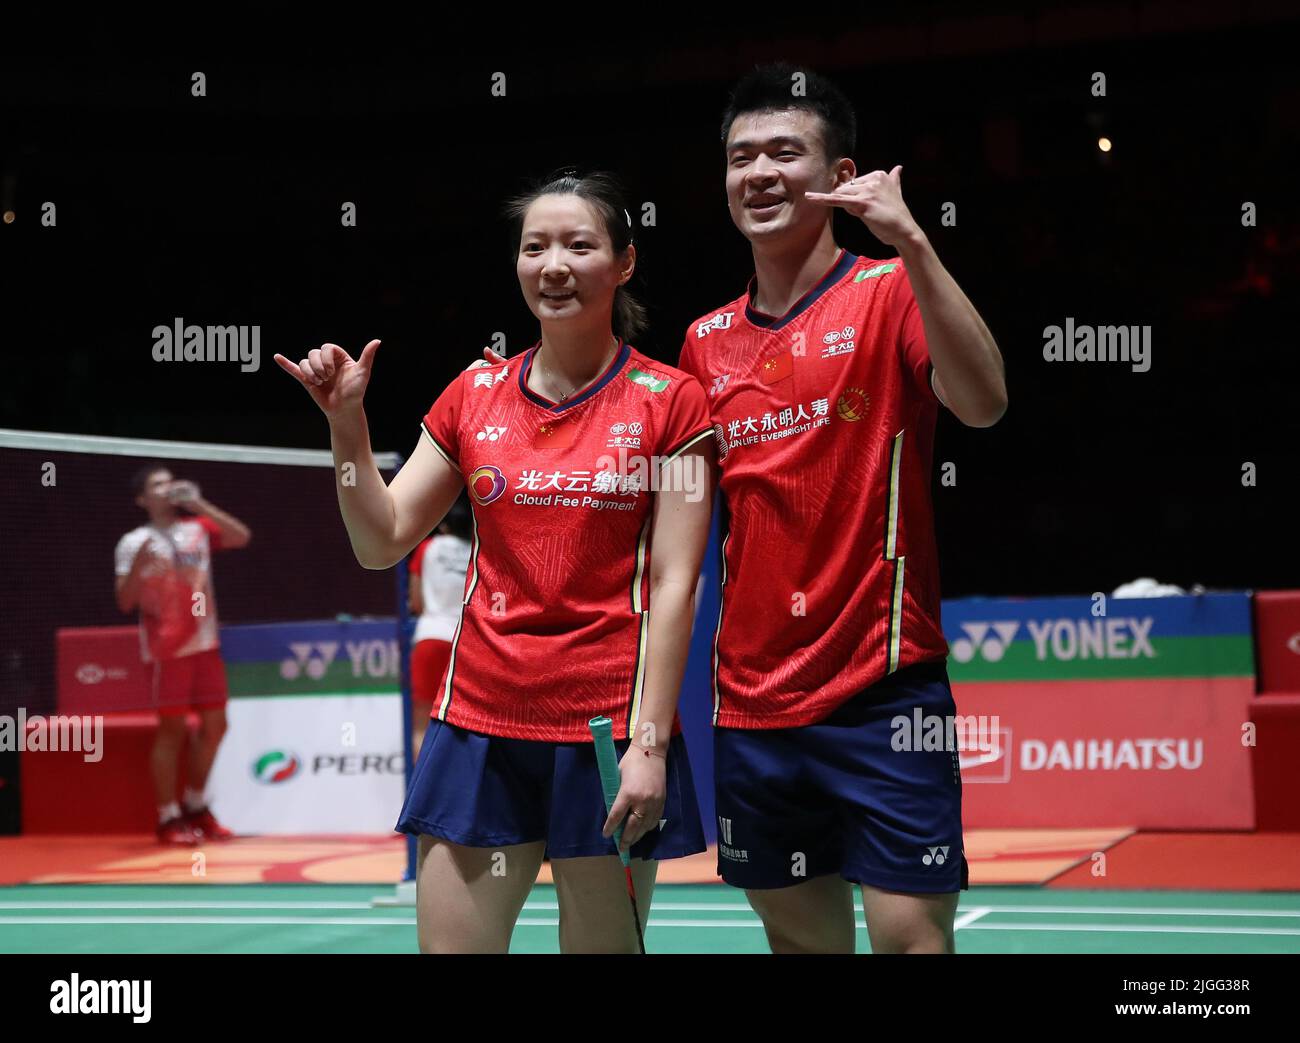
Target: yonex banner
[315, 737]
[1106, 712]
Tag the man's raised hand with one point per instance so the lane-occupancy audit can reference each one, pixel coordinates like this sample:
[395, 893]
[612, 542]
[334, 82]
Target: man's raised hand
[877, 200]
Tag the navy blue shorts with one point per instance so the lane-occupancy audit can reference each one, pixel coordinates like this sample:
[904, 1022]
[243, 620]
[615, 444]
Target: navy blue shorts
[838, 797]
[486, 791]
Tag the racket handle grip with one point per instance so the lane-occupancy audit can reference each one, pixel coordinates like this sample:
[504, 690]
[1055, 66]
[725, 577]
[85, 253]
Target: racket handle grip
[602, 734]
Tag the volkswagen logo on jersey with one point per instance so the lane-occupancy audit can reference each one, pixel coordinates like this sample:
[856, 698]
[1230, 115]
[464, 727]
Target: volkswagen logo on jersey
[836, 335]
[486, 484]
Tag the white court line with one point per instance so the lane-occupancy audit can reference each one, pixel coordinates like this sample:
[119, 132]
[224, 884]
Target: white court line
[1122, 910]
[1133, 929]
[185, 905]
[183, 921]
[1055, 910]
[970, 917]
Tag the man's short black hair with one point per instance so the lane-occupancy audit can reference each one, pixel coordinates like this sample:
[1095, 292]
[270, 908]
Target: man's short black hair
[140, 478]
[772, 88]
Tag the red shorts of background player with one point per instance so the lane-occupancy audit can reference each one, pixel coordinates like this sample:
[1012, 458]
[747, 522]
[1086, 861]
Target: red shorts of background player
[192, 682]
[428, 664]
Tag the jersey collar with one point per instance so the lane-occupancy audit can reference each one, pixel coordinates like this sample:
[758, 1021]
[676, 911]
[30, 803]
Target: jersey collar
[620, 359]
[837, 271]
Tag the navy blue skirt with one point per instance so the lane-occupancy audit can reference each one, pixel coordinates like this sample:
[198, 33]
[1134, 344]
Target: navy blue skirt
[487, 791]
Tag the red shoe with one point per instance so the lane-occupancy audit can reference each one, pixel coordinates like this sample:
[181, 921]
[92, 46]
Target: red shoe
[177, 831]
[203, 823]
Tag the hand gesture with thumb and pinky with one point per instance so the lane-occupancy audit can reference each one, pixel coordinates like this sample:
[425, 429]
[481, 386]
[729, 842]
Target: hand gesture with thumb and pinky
[336, 382]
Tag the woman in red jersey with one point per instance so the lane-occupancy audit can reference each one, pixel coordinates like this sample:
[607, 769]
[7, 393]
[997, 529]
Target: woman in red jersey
[587, 465]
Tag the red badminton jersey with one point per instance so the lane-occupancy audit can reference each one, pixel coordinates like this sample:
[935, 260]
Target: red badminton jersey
[554, 624]
[825, 421]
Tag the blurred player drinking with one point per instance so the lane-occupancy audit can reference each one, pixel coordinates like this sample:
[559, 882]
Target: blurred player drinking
[590, 518]
[164, 568]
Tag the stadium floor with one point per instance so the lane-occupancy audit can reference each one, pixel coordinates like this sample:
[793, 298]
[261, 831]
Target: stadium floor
[305, 918]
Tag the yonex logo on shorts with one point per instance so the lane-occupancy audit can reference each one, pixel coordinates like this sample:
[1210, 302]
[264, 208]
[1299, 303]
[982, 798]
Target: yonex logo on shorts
[935, 856]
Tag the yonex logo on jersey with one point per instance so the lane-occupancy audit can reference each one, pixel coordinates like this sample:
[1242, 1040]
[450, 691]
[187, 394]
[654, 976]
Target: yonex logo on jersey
[978, 640]
[935, 856]
[486, 484]
[652, 381]
[871, 273]
[718, 384]
[721, 321]
[490, 434]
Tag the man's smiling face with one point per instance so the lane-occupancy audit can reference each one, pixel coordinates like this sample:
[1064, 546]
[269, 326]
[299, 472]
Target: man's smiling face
[773, 158]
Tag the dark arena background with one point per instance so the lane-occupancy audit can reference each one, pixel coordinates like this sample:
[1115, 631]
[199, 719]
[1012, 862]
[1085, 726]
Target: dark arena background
[1105, 164]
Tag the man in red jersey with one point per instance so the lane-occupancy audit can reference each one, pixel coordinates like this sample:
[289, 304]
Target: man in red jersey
[164, 569]
[824, 381]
